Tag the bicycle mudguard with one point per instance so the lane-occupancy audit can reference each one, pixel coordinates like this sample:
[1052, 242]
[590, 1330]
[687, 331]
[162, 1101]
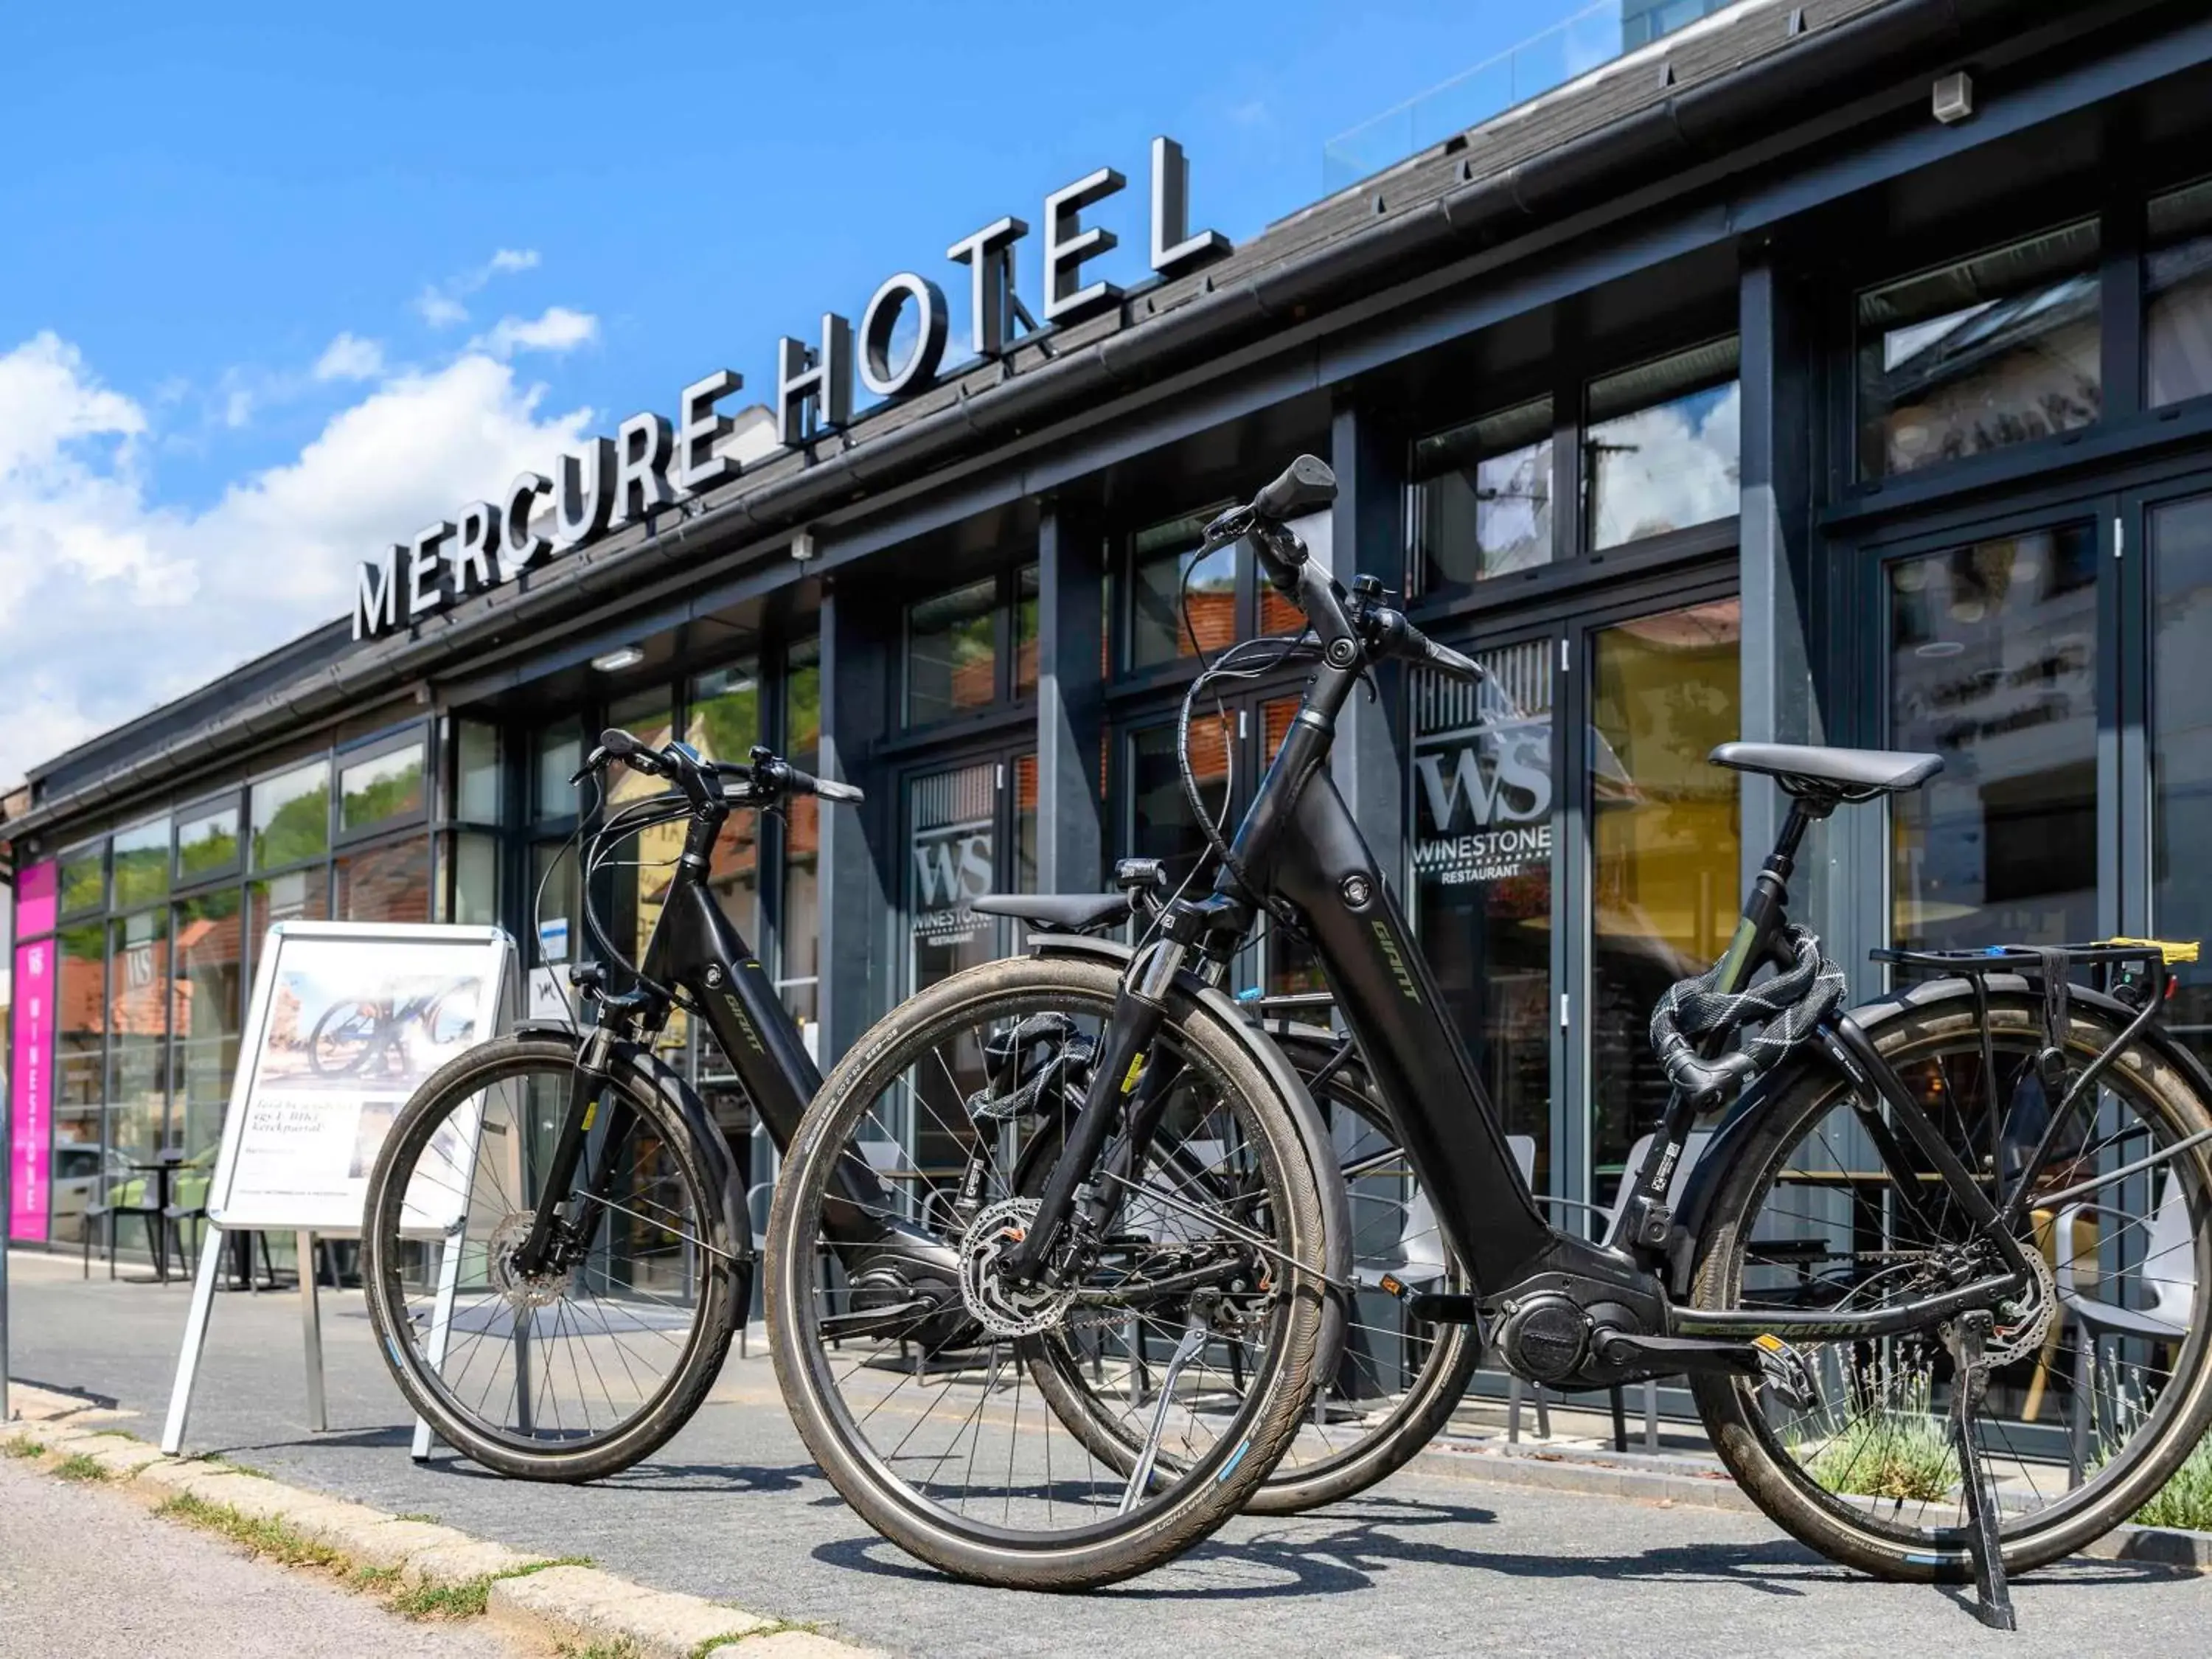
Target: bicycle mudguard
[1336, 1203]
[1705, 1181]
[665, 1081]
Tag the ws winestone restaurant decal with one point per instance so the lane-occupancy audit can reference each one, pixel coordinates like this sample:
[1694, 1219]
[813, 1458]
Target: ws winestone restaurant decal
[652, 463]
[1482, 769]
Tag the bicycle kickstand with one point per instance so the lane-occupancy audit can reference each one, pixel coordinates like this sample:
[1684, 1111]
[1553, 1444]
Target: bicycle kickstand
[1970, 1382]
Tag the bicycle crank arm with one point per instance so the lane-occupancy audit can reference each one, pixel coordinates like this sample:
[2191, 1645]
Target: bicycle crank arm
[1769, 1359]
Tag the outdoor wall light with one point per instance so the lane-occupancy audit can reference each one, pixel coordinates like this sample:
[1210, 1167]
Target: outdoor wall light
[621, 657]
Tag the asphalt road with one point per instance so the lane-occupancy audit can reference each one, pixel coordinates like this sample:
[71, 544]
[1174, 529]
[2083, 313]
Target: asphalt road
[733, 1509]
[92, 1575]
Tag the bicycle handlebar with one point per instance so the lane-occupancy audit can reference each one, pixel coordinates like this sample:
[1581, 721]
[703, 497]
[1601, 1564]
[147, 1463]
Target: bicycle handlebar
[768, 778]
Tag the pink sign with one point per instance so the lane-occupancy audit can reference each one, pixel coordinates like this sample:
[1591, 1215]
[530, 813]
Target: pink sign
[30, 1094]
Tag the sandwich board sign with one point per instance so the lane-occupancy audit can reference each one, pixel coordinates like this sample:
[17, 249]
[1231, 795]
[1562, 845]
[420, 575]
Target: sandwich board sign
[347, 1020]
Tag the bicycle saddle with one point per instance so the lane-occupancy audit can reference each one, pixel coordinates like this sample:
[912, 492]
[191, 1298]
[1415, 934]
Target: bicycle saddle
[1840, 774]
[1062, 913]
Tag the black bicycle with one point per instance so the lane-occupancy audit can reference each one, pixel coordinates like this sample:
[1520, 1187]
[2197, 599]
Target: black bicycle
[1867, 1277]
[353, 1039]
[596, 1252]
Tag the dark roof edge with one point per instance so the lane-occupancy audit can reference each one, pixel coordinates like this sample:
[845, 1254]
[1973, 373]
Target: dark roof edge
[1688, 125]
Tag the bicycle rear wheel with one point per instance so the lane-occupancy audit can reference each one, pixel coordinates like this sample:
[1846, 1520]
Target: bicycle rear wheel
[2102, 1393]
[563, 1376]
[908, 1358]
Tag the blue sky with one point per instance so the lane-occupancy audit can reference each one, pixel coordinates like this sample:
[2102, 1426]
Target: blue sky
[283, 284]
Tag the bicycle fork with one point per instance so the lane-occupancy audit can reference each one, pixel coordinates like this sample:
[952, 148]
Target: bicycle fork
[561, 1226]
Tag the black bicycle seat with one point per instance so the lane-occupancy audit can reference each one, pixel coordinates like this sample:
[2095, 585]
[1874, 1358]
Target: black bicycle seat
[1059, 913]
[1850, 773]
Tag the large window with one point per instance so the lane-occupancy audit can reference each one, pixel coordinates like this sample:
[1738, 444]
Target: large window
[291, 816]
[2178, 296]
[207, 842]
[799, 965]
[1163, 561]
[141, 863]
[952, 652]
[722, 721]
[1993, 665]
[207, 999]
[381, 791]
[1482, 499]
[1972, 356]
[138, 1033]
[1660, 451]
[79, 1074]
[1665, 829]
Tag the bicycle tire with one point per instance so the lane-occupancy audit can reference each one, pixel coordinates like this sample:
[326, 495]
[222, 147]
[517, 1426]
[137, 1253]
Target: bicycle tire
[1293, 1487]
[671, 1405]
[1918, 1024]
[1187, 1510]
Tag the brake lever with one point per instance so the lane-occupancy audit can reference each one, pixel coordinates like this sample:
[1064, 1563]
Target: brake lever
[592, 764]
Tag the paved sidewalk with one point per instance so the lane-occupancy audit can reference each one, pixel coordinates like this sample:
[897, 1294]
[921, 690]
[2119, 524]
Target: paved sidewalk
[90, 1574]
[1428, 1563]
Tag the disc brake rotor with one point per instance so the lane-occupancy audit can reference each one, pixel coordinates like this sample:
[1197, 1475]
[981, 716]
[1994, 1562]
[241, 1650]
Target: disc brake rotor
[519, 1289]
[1001, 1307]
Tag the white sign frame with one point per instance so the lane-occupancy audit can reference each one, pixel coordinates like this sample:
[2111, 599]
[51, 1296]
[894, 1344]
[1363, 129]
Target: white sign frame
[490, 953]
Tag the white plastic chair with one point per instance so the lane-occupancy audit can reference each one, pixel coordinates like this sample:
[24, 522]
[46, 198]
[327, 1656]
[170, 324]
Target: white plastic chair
[1524, 1154]
[2167, 1272]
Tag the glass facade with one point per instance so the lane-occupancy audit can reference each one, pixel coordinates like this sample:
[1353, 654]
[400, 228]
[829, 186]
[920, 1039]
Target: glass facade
[1661, 450]
[1481, 503]
[1981, 354]
[2178, 296]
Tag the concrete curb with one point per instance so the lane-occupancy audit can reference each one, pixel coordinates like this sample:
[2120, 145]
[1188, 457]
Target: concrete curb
[551, 1605]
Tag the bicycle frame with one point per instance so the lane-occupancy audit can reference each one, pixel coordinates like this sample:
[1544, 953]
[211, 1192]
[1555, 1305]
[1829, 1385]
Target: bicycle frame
[1300, 841]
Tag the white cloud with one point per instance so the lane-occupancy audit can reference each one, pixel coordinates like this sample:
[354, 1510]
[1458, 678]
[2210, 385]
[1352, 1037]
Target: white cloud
[438, 311]
[111, 603]
[350, 357]
[558, 330]
[440, 303]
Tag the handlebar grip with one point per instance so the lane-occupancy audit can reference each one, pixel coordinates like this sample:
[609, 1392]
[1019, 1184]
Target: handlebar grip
[619, 744]
[805, 783]
[1442, 658]
[1305, 485]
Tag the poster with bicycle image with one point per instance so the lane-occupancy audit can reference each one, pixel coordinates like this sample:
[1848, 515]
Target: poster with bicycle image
[347, 1019]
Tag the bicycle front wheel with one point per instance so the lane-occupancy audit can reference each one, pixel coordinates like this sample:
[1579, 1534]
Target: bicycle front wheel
[910, 1359]
[2101, 1387]
[564, 1375]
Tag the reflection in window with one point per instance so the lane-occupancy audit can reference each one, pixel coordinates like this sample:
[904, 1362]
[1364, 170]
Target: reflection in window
[1482, 499]
[1992, 664]
[297, 895]
[138, 1031]
[1160, 557]
[723, 722]
[381, 790]
[1482, 807]
[1994, 350]
[952, 652]
[1160, 823]
[559, 751]
[141, 863]
[291, 816]
[472, 863]
[1279, 614]
[84, 878]
[80, 1076]
[478, 795]
[800, 953]
[386, 883]
[1661, 450]
[2178, 296]
[1664, 832]
[207, 1005]
[207, 842]
[642, 877]
[2181, 757]
[1026, 588]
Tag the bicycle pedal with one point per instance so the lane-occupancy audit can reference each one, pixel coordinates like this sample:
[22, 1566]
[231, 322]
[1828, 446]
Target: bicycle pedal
[1785, 1370]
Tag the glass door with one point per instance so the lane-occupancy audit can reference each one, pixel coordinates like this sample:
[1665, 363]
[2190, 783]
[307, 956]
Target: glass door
[1664, 826]
[2178, 541]
[970, 829]
[1484, 759]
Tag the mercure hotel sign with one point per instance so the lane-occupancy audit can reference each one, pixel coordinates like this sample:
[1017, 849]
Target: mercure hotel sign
[652, 463]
